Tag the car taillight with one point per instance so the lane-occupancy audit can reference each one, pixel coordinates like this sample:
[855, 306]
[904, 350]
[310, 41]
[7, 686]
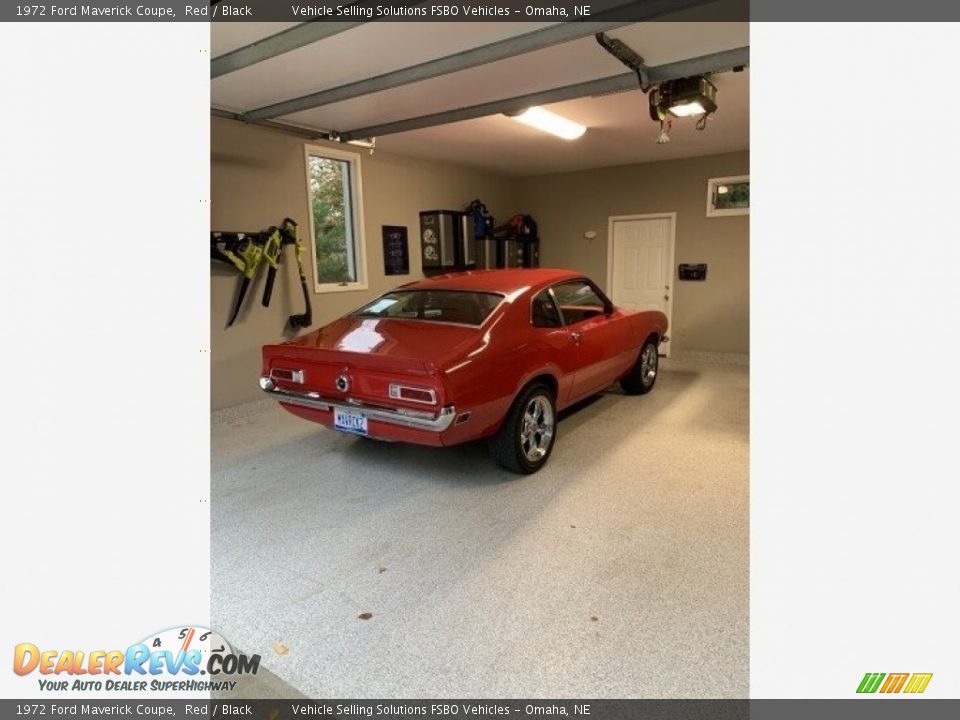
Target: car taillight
[288, 375]
[413, 394]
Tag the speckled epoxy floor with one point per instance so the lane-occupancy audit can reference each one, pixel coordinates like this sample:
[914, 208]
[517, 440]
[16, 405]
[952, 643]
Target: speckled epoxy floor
[620, 570]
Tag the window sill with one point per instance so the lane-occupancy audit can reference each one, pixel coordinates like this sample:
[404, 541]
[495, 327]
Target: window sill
[727, 212]
[338, 287]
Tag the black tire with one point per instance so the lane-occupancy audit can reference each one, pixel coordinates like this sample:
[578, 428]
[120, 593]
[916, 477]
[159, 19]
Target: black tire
[643, 375]
[520, 445]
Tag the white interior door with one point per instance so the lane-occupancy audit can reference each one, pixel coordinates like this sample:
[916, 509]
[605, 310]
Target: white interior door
[640, 261]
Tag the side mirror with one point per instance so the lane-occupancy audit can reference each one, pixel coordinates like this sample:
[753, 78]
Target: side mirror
[608, 308]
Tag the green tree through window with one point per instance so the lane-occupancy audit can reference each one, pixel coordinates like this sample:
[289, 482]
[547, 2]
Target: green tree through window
[332, 207]
[732, 195]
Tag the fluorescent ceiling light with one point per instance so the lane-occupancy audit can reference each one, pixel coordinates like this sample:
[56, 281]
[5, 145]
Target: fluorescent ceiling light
[687, 109]
[546, 121]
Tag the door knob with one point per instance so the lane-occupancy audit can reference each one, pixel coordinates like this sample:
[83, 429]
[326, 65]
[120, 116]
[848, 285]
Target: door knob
[666, 297]
[575, 336]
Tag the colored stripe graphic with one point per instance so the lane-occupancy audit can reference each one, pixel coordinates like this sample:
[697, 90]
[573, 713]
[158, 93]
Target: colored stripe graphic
[894, 682]
[870, 682]
[918, 682]
[187, 639]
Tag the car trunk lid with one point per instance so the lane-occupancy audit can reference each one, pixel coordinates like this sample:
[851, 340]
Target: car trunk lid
[359, 359]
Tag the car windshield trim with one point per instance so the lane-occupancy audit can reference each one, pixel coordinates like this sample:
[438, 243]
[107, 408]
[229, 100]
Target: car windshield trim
[414, 304]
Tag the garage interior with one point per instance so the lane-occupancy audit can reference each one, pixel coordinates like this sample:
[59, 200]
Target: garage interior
[365, 569]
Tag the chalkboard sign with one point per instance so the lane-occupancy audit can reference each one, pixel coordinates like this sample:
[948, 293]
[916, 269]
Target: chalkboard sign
[396, 254]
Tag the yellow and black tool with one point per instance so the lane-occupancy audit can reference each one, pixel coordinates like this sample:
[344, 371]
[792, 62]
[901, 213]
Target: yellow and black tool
[247, 251]
[290, 234]
[244, 251]
[272, 254]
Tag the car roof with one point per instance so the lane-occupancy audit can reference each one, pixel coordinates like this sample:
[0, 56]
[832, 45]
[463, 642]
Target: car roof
[500, 281]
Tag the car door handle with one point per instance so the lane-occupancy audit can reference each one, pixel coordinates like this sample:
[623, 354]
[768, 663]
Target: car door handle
[575, 336]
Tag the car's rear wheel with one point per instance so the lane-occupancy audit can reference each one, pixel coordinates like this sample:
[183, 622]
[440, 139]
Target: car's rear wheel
[643, 374]
[529, 431]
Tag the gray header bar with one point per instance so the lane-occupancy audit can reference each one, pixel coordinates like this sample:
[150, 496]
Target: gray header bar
[349, 14]
[325, 11]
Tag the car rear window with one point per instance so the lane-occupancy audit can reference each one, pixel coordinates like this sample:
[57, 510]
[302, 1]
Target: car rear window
[454, 306]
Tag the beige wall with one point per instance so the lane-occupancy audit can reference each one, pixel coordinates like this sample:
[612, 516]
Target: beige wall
[707, 316]
[257, 178]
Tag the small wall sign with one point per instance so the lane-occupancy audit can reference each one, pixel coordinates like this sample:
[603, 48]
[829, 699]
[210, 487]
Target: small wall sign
[396, 252]
[692, 271]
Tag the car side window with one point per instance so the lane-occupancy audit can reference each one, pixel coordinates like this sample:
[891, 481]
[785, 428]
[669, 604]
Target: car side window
[578, 301]
[544, 313]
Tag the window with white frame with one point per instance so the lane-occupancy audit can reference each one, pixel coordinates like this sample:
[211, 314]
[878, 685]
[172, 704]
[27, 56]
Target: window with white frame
[728, 196]
[336, 224]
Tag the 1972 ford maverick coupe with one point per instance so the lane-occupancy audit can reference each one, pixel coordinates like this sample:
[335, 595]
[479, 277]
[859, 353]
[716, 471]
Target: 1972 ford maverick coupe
[488, 354]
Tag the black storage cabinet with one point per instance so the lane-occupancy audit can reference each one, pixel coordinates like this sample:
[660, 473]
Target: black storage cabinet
[487, 253]
[531, 252]
[446, 241]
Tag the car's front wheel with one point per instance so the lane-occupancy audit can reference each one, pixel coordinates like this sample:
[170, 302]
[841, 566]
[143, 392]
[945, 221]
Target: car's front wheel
[643, 374]
[529, 431]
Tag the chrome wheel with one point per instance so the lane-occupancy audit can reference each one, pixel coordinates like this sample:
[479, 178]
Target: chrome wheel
[529, 431]
[536, 429]
[648, 364]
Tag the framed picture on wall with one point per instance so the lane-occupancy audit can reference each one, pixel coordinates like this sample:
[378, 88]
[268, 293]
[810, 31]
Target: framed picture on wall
[728, 196]
[396, 253]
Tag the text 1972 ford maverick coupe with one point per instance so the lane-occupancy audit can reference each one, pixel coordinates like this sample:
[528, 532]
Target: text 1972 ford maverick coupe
[493, 353]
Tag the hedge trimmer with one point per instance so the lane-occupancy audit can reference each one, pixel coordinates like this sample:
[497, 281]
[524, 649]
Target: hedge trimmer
[290, 235]
[248, 251]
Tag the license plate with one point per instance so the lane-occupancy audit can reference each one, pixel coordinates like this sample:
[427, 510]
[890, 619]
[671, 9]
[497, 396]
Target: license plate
[351, 422]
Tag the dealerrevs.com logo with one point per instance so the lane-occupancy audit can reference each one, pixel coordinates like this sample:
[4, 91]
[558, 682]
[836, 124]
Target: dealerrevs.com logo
[179, 659]
[911, 683]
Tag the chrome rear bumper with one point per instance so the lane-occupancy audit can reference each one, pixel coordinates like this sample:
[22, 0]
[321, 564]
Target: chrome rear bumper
[416, 419]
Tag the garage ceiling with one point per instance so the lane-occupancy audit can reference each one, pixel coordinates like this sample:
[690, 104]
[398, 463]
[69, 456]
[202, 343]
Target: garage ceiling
[620, 130]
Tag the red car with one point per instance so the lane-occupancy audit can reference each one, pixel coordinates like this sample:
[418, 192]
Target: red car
[488, 354]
